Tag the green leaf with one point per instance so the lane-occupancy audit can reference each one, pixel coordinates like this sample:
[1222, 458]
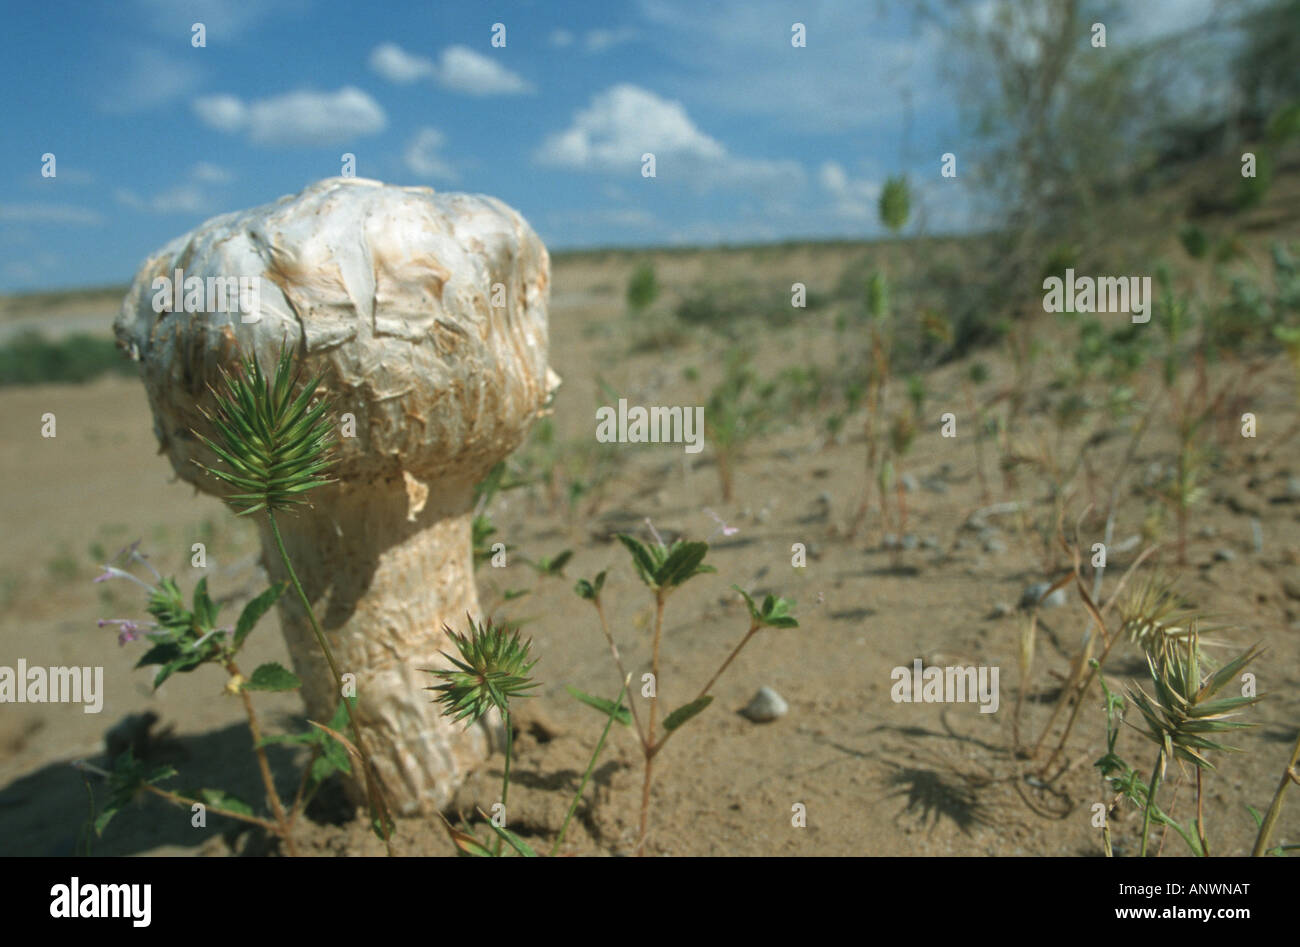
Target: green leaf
[511, 594]
[682, 563]
[686, 712]
[163, 653]
[641, 558]
[514, 841]
[220, 799]
[584, 590]
[205, 613]
[272, 677]
[607, 707]
[753, 609]
[254, 611]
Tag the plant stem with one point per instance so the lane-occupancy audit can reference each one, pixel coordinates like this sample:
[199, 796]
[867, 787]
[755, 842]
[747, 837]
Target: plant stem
[650, 748]
[713, 680]
[1151, 800]
[1275, 807]
[380, 813]
[273, 797]
[505, 780]
[618, 661]
[582, 786]
[1200, 815]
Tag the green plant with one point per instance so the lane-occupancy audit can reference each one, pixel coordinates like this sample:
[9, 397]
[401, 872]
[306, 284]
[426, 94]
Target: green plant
[663, 568]
[738, 409]
[642, 288]
[184, 637]
[895, 203]
[275, 441]
[492, 669]
[1181, 719]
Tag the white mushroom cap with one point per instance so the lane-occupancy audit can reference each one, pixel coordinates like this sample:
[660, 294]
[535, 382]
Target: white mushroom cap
[385, 290]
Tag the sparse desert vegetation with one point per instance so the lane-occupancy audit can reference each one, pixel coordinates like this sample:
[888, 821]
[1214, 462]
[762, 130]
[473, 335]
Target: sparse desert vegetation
[916, 463]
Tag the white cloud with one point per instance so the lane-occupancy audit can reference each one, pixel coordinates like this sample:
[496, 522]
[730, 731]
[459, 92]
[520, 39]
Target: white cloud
[223, 112]
[146, 79]
[222, 19]
[625, 122]
[208, 173]
[296, 118]
[620, 125]
[182, 199]
[422, 156]
[50, 214]
[459, 68]
[464, 70]
[560, 38]
[397, 65]
[851, 198]
[599, 40]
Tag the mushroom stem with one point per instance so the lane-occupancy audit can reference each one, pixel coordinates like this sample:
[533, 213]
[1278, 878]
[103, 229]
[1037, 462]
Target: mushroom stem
[383, 580]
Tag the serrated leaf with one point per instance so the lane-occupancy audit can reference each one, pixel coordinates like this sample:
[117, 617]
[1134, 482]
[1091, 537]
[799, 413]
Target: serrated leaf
[641, 558]
[205, 613]
[159, 654]
[619, 712]
[686, 712]
[682, 563]
[272, 677]
[254, 611]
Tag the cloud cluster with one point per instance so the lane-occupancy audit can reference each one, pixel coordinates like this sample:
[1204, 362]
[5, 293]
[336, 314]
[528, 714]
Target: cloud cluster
[304, 117]
[459, 68]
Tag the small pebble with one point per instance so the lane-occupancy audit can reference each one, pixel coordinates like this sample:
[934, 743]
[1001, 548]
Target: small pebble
[1001, 610]
[1224, 555]
[910, 541]
[1206, 532]
[994, 545]
[929, 542]
[765, 706]
[1034, 592]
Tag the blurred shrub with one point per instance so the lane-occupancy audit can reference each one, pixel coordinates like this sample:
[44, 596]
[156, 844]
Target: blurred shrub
[642, 287]
[31, 359]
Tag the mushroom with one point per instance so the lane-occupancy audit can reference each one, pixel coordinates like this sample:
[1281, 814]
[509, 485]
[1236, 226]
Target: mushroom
[426, 314]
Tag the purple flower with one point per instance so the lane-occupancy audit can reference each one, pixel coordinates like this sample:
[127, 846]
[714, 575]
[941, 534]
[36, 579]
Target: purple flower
[112, 572]
[722, 527]
[127, 630]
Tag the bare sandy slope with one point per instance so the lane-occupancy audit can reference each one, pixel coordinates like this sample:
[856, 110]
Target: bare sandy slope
[875, 776]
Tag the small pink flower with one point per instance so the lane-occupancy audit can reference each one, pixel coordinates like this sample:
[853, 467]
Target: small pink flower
[127, 630]
[723, 528]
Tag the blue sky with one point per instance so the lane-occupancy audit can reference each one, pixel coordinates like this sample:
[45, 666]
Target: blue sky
[754, 139]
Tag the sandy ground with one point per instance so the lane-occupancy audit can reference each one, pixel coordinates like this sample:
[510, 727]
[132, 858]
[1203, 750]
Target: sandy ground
[875, 777]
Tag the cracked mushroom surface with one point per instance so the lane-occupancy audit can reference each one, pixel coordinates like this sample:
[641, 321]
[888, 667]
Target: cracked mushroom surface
[426, 313]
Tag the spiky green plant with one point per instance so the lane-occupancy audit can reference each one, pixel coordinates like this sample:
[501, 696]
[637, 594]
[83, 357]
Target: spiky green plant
[492, 669]
[274, 441]
[276, 445]
[1185, 713]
